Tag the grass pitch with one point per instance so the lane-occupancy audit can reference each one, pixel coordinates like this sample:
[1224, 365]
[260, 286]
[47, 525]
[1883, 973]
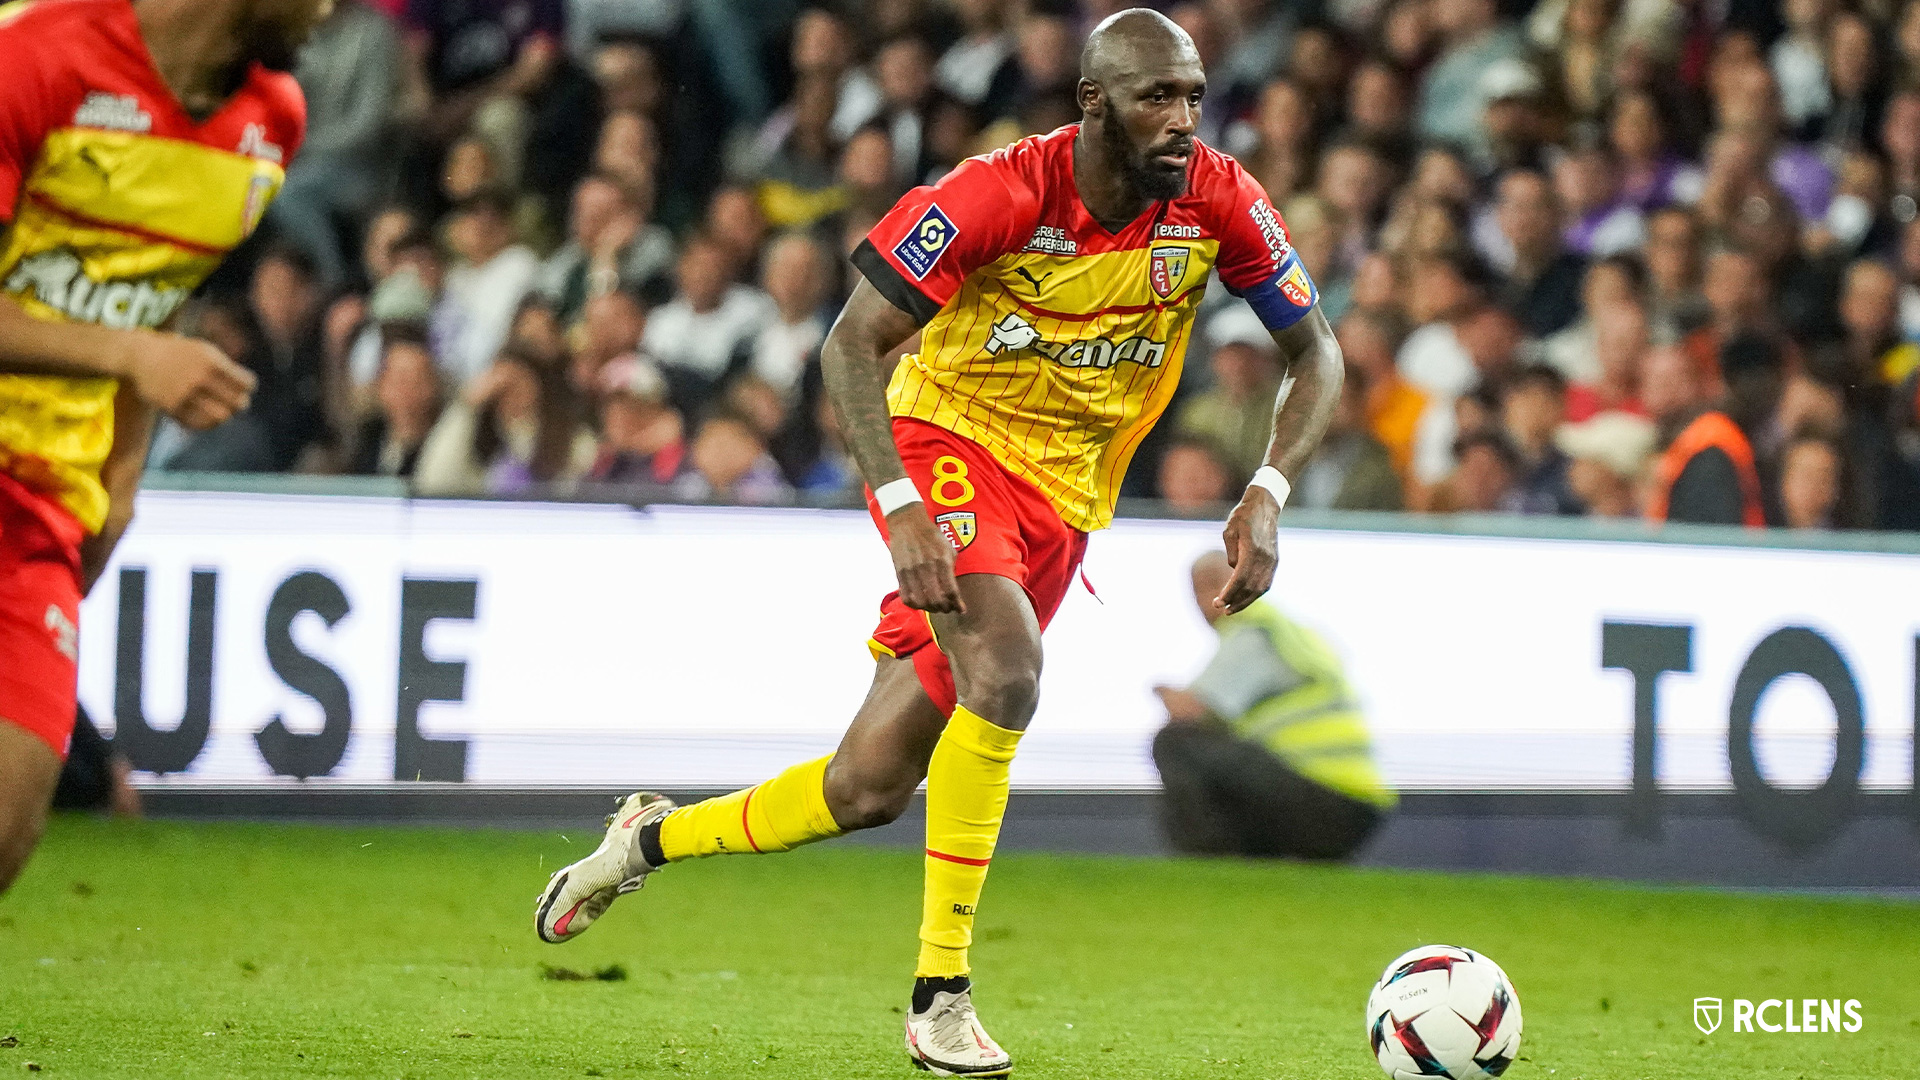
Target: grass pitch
[163, 950]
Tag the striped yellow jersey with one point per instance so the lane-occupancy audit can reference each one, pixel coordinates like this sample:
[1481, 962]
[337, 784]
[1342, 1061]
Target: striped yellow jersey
[117, 204]
[1050, 341]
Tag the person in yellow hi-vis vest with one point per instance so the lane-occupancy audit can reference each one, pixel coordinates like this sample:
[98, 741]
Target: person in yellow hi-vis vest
[1266, 753]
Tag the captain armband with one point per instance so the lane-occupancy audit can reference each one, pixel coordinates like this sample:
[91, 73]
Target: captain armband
[1286, 297]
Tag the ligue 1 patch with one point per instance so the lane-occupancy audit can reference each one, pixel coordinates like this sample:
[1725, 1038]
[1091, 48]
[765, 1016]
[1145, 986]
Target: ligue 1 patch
[1296, 288]
[1167, 268]
[926, 242]
[958, 527]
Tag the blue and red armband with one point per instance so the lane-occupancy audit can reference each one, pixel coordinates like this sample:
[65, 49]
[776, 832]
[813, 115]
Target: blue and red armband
[1286, 297]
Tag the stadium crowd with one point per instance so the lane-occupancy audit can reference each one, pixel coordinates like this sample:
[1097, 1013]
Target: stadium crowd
[597, 244]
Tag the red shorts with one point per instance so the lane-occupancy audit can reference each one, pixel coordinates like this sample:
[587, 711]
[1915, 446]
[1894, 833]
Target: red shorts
[39, 614]
[998, 523]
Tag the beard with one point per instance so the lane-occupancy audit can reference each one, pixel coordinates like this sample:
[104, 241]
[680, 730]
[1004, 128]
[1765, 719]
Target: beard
[1142, 172]
[272, 47]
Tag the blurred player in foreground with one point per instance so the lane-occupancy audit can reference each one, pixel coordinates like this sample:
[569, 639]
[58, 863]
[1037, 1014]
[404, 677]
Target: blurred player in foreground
[139, 143]
[1266, 753]
[1054, 285]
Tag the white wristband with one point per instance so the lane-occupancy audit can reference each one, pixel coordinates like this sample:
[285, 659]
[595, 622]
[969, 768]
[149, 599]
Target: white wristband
[895, 494]
[1274, 481]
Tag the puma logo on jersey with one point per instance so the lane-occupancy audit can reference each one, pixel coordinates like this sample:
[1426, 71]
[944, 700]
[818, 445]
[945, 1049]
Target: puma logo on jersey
[59, 280]
[1031, 280]
[1015, 333]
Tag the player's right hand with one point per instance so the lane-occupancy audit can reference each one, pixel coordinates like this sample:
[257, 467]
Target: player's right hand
[922, 561]
[189, 380]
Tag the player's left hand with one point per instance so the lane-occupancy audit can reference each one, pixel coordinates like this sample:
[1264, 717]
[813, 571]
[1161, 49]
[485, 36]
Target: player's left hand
[1252, 539]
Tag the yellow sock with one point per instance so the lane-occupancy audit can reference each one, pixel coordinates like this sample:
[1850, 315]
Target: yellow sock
[779, 815]
[966, 798]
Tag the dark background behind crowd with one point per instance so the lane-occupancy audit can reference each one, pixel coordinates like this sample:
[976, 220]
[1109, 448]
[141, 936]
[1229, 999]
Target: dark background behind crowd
[1611, 257]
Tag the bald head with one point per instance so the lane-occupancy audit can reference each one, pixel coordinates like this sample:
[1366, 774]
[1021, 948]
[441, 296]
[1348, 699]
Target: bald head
[1141, 82]
[1133, 40]
[1210, 574]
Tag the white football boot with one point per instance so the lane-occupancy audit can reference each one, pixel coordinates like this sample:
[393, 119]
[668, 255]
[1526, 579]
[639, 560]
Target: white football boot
[576, 895]
[947, 1039]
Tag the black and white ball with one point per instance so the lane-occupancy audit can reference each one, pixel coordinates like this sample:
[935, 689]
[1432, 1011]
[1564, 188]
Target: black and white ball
[1443, 1011]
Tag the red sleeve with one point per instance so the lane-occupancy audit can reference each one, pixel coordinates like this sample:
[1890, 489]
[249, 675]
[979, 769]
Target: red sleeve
[25, 112]
[918, 254]
[1256, 260]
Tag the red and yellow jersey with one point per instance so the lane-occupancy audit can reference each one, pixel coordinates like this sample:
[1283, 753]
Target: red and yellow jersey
[119, 204]
[1050, 341]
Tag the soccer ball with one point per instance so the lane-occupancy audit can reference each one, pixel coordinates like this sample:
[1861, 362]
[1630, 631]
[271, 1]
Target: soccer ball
[1443, 1011]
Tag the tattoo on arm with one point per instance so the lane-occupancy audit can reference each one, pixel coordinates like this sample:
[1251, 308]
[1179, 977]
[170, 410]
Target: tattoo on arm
[1311, 356]
[853, 363]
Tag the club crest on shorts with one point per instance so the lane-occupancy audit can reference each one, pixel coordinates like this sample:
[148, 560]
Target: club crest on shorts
[1166, 268]
[958, 527]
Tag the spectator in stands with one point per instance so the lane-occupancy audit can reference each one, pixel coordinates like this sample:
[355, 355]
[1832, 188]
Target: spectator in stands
[1354, 179]
[1855, 96]
[796, 276]
[1369, 338]
[408, 399]
[1380, 110]
[1811, 483]
[1235, 417]
[1315, 228]
[493, 273]
[1533, 405]
[903, 66]
[513, 427]
[1192, 478]
[1350, 470]
[1705, 472]
[735, 222]
[1620, 350]
[350, 72]
[1673, 259]
[289, 401]
[1543, 287]
[1473, 37]
[731, 463]
[1278, 141]
[1600, 219]
[643, 437]
[1265, 753]
[610, 245]
[699, 331]
[1574, 351]
[979, 70]
[611, 325]
[1652, 175]
[496, 68]
[1870, 317]
[1798, 60]
[1486, 470]
[1608, 454]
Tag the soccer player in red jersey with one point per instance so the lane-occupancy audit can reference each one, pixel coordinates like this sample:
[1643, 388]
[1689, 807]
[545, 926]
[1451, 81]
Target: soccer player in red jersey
[1054, 285]
[140, 141]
